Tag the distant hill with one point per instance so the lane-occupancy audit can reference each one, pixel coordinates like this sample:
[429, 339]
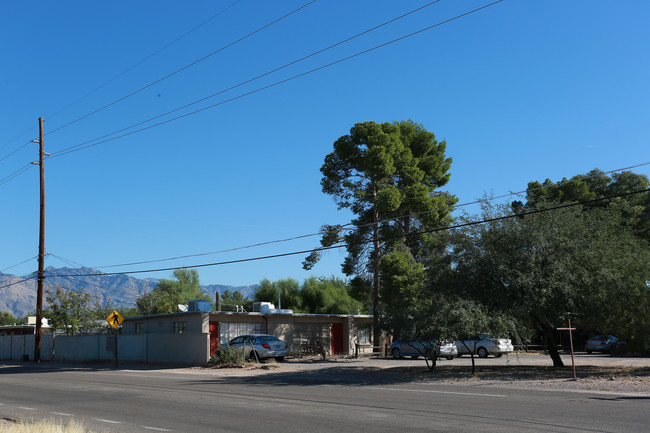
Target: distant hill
[117, 290]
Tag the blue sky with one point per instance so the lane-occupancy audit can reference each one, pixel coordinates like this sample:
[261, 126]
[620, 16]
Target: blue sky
[521, 91]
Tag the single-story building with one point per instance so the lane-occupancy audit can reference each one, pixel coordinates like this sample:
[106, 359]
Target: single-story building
[190, 337]
[337, 334]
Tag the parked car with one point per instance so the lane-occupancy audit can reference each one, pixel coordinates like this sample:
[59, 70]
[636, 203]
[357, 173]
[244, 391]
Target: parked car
[601, 343]
[260, 346]
[485, 345]
[414, 349]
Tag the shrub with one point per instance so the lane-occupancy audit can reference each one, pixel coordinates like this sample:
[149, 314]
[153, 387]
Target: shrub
[226, 355]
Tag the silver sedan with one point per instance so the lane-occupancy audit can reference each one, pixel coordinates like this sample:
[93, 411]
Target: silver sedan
[260, 346]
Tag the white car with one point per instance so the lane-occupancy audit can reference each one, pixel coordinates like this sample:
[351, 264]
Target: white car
[485, 345]
[414, 349]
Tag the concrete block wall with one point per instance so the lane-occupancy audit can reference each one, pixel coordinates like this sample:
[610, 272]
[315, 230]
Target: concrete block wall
[16, 347]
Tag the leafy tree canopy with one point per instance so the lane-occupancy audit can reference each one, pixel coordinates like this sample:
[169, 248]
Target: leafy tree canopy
[289, 290]
[595, 185]
[231, 300]
[314, 296]
[543, 267]
[8, 319]
[168, 294]
[70, 311]
[328, 296]
[386, 174]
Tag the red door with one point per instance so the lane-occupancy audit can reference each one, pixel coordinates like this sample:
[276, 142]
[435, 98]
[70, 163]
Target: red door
[214, 337]
[337, 338]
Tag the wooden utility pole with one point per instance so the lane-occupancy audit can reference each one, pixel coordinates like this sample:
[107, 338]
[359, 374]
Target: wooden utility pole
[41, 248]
[573, 362]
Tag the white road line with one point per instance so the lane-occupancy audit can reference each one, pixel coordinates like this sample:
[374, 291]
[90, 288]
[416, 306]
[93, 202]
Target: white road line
[107, 420]
[26, 408]
[154, 428]
[440, 392]
[61, 413]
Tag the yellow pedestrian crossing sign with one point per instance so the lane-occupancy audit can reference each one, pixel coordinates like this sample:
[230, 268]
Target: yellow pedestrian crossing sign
[115, 319]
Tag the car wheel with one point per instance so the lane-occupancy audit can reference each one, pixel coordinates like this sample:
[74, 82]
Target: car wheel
[498, 355]
[396, 353]
[589, 352]
[482, 352]
[253, 356]
[449, 357]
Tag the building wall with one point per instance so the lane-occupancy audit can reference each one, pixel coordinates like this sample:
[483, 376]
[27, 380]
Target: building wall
[17, 347]
[195, 322]
[159, 344]
[187, 348]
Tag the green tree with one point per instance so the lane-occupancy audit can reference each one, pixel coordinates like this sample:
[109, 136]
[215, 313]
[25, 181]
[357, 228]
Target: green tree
[328, 296]
[541, 267]
[381, 172]
[289, 290]
[168, 294]
[8, 319]
[70, 311]
[596, 185]
[231, 300]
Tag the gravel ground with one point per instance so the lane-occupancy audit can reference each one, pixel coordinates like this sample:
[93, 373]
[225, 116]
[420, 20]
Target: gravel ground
[595, 373]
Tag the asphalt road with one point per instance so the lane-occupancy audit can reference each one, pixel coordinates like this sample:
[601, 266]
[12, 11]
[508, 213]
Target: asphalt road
[337, 399]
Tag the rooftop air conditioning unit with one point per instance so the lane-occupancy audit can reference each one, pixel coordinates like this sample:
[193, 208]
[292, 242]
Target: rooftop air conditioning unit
[196, 305]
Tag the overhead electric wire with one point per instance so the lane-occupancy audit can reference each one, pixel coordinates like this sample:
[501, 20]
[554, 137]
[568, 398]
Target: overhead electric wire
[209, 253]
[143, 60]
[15, 150]
[17, 282]
[352, 226]
[118, 76]
[85, 145]
[64, 260]
[341, 245]
[15, 173]
[18, 264]
[181, 69]
[510, 194]
[261, 75]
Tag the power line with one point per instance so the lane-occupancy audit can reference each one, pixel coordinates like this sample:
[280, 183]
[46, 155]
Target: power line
[16, 150]
[142, 61]
[17, 282]
[85, 145]
[341, 245]
[15, 173]
[118, 76]
[182, 69]
[261, 75]
[344, 227]
[18, 264]
[510, 194]
[67, 261]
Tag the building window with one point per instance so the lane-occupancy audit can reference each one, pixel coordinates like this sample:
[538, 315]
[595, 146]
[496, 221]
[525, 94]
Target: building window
[138, 328]
[179, 327]
[307, 337]
[364, 334]
[228, 331]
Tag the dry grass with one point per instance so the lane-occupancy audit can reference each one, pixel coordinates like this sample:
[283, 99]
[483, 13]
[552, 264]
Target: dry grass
[8, 426]
[521, 373]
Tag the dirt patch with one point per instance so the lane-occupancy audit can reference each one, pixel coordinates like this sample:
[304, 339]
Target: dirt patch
[608, 374]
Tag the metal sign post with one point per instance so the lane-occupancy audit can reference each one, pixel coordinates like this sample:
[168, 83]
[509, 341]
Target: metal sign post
[115, 320]
[573, 363]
